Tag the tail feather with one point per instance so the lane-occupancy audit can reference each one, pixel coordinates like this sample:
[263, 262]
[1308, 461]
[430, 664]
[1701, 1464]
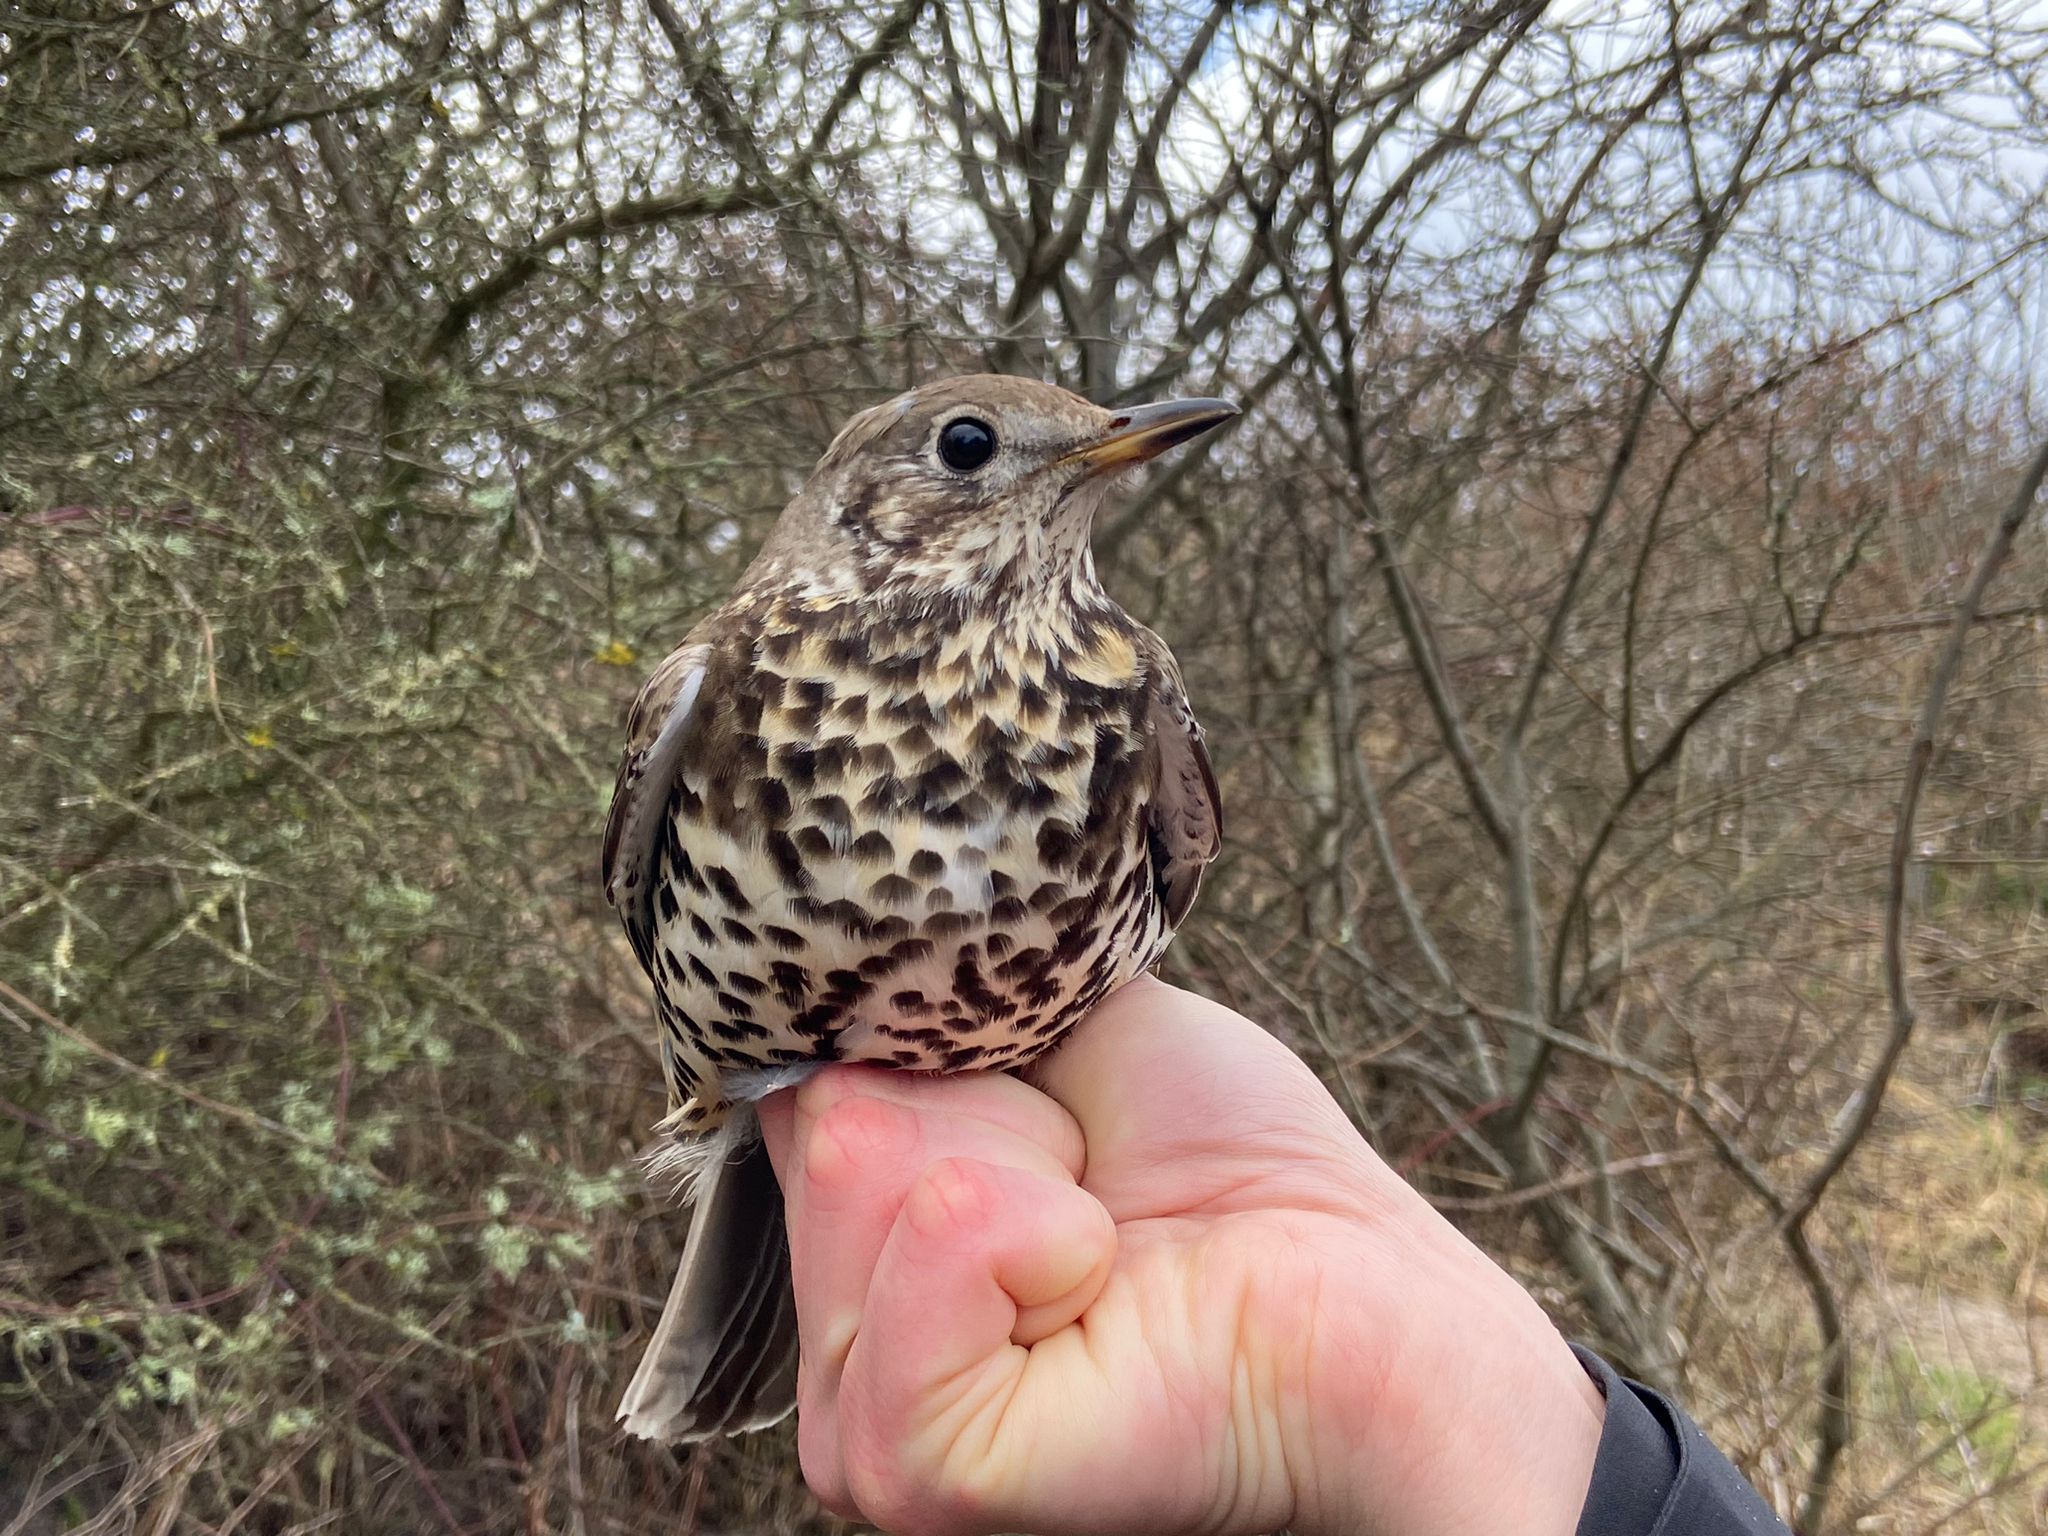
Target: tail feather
[723, 1356]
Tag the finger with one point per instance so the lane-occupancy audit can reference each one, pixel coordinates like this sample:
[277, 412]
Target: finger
[860, 1138]
[983, 1259]
[1178, 1097]
[852, 1143]
[995, 1097]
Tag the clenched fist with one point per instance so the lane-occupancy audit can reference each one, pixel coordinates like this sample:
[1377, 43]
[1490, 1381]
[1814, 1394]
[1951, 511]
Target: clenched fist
[1168, 1288]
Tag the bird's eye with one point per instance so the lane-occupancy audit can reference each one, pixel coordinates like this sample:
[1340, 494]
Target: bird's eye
[966, 444]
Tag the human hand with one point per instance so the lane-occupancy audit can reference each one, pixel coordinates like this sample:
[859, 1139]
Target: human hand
[1169, 1288]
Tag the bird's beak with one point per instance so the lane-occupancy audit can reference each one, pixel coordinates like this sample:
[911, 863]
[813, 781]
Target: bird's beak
[1146, 431]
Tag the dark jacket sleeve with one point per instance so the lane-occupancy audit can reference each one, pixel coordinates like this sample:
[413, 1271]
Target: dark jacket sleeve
[1656, 1474]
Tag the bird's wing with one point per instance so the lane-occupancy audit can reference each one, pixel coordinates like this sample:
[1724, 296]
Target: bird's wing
[656, 734]
[1184, 818]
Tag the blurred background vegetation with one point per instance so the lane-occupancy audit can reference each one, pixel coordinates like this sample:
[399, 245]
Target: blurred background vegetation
[1633, 391]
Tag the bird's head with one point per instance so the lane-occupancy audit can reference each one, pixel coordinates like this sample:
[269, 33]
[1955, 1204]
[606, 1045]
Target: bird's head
[971, 485]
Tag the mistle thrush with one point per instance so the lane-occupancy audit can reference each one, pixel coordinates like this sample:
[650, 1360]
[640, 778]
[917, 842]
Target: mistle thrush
[919, 794]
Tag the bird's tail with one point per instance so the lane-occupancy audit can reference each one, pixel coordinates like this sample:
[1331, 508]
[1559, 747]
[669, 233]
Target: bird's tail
[723, 1356]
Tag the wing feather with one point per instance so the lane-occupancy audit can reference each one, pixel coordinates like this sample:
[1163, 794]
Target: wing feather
[1184, 817]
[660, 727]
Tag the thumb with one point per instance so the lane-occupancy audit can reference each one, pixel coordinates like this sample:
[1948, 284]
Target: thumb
[983, 1261]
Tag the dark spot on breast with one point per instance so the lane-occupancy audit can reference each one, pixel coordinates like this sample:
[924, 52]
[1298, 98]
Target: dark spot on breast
[817, 1019]
[973, 990]
[909, 1002]
[771, 799]
[939, 899]
[735, 1005]
[785, 939]
[849, 917]
[1032, 796]
[1040, 992]
[999, 945]
[939, 778]
[1058, 845]
[745, 985]
[702, 930]
[703, 972]
[871, 845]
[1073, 943]
[910, 951]
[941, 925]
[1083, 703]
[909, 708]
[921, 1036]
[812, 843]
[1025, 963]
[1010, 909]
[792, 981]
[736, 1030]
[796, 764]
[1081, 911]
[723, 882]
[884, 796]
[833, 757]
[926, 865]
[788, 862]
[737, 931]
[892, 889]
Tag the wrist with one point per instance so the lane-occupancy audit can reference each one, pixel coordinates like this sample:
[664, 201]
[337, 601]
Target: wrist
[1438, 1396]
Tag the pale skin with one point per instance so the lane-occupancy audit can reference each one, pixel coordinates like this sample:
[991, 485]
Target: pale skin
[1165, 1287]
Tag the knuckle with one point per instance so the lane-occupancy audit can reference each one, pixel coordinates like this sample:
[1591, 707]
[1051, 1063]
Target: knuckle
[827, 1086]
[852, 1137]
[954, 1194]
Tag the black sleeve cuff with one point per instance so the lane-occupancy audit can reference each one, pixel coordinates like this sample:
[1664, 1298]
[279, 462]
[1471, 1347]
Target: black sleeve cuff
[1656, 1474]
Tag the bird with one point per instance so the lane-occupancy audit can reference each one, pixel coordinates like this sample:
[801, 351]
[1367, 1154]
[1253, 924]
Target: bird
[919, 794]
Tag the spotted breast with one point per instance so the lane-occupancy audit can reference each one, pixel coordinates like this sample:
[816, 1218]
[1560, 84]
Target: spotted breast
[923, 847]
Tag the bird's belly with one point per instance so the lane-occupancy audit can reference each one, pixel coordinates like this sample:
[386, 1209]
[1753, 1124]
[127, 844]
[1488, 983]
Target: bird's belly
[918, 943]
